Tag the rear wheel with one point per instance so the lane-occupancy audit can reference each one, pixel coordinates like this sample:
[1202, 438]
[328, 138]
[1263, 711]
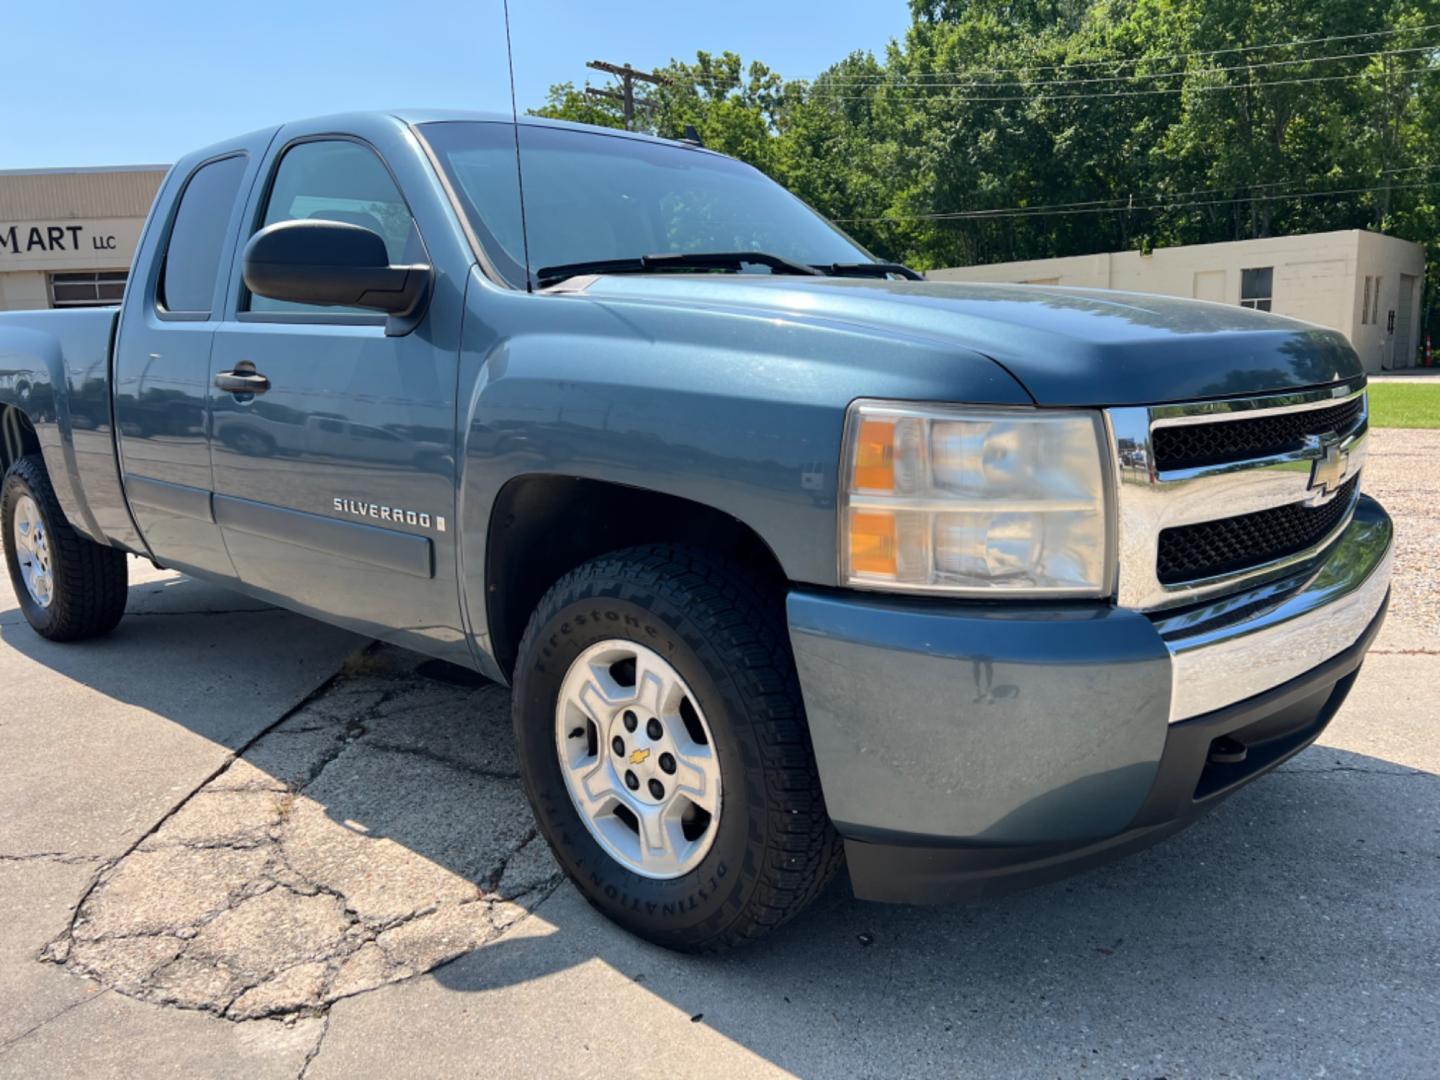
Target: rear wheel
[663, 745]
[69, 588]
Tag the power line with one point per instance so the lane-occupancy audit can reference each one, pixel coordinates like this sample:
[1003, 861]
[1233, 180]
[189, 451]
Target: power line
[1159, 201]
[1024, 68]
[824, 91]
[1200, 88]
[983, 215]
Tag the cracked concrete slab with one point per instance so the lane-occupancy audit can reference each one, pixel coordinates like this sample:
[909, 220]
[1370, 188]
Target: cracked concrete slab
[316, 907]
[340, 852]
[112, 1036]
[1292, 933]
[38, 895]
[101, 739]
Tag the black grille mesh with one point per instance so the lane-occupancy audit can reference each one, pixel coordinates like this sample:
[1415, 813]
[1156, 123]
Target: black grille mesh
[1191, 445]
[1193, 552]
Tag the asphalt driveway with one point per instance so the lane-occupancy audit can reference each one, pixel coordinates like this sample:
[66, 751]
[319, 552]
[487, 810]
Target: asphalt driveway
[236, 842]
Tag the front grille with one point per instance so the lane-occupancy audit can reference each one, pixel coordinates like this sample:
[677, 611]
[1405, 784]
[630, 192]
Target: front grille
[1213, 548]
[1188, 446]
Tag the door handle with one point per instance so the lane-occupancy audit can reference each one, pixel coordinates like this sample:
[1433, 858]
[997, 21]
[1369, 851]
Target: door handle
[242, 382]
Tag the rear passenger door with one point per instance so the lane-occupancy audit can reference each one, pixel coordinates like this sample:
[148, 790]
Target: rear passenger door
[335, 488]
[162, 365]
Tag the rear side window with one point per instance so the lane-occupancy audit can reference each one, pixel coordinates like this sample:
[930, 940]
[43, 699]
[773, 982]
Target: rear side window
[192, 257]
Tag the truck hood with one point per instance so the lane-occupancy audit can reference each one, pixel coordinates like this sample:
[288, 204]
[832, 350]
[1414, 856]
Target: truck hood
[1065, 346]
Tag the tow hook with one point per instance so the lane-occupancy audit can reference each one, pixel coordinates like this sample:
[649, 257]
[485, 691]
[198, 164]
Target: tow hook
[1227, 751]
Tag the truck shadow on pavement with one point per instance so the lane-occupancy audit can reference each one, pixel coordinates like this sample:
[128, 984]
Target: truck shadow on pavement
[377, 832]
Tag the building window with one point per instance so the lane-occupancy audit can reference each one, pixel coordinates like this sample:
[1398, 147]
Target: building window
[1375, 301]
[102, 289]
[1365, 304]
[1257, 287]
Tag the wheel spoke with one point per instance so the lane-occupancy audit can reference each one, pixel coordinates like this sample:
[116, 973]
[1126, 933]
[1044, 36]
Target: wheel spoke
[660, 840]
[596, 789]
[697, 778]
[593, 701]
[657, 686]
[24, 526]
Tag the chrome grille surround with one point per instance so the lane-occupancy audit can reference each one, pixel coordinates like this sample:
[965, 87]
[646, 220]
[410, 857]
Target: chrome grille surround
[1150, 500]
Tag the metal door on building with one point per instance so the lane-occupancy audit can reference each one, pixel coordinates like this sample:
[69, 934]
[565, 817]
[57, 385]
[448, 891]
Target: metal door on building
[1402, 347]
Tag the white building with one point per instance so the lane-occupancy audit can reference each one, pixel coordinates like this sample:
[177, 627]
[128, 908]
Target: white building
[1365, 285]
[67, 236]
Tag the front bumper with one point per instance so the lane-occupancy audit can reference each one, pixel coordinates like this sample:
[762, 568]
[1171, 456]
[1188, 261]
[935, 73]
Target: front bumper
[967, 749]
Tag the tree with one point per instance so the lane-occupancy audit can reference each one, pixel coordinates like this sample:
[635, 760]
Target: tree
[1012, 129]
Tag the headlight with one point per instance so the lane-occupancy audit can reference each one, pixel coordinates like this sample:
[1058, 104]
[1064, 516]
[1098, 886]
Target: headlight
[978, 502]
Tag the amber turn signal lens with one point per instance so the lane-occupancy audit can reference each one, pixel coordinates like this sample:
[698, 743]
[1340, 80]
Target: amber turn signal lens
[875, 456]
[872, 543]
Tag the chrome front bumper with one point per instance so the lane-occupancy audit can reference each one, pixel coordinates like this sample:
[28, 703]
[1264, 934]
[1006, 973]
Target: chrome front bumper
[1247, 643]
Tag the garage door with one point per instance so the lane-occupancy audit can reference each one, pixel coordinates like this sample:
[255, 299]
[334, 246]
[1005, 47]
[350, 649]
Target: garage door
[1210, 285]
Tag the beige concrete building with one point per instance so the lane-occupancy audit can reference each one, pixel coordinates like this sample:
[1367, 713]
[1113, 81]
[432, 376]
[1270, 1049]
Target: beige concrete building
[67, 236]
[1367, 286]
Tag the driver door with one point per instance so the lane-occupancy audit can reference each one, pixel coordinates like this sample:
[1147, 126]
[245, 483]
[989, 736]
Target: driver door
[335, 485]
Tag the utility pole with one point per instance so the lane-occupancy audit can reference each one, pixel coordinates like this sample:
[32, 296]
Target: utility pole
[628, 76]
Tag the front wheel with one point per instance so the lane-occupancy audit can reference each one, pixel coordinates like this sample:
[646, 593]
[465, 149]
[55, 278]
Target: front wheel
[69, 587]
[663, 745]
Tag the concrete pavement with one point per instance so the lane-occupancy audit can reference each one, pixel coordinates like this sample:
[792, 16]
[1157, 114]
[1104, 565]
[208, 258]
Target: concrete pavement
[329, 870]
[98, 743]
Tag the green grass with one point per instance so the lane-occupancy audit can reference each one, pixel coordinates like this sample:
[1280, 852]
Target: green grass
[1405, 404]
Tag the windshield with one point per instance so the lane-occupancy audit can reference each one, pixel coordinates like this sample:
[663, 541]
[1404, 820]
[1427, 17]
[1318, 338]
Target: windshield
[590, 196]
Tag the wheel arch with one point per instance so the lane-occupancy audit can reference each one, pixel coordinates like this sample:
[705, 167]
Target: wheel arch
[17, 436]
[542, 526]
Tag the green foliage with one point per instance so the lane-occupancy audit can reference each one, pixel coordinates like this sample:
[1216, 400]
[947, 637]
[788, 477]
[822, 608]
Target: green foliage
[565, 102]
[1013, 129]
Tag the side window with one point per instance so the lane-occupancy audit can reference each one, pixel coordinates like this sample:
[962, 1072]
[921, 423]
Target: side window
[339, 180]
[192, 257]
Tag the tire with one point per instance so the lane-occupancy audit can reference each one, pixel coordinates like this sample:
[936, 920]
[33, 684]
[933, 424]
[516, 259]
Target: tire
[88, 583]
[773, 848]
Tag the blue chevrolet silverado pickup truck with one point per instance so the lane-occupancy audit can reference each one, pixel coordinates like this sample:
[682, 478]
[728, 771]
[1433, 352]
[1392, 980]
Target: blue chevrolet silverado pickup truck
[792, 559]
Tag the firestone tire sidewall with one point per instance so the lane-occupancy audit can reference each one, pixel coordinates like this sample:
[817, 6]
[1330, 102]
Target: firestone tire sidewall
[683, 912]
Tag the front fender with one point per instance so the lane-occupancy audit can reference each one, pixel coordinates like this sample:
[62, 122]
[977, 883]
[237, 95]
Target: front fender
[740, 412]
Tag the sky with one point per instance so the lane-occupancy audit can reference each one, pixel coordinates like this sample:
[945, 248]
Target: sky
[144, 81]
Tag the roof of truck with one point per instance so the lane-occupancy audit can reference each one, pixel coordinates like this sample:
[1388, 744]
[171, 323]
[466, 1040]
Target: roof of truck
[437, 116]
[361, 119]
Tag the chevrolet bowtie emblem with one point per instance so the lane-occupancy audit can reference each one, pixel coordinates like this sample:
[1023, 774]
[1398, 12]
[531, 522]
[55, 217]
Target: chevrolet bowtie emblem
[639, 757]
[1328, 472]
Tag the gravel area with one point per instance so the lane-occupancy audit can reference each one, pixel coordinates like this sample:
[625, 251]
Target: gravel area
[1403, 472]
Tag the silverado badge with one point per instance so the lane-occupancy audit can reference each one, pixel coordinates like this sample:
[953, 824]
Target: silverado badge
[395, 514]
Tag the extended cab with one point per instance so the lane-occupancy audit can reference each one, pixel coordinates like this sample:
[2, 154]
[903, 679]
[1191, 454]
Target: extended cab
[790, 557]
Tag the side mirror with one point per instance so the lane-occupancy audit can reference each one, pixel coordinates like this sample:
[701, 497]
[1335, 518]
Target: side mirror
[335, 263]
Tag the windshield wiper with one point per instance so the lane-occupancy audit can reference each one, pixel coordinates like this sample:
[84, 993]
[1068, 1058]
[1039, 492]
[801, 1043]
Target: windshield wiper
[869, 270]
[673, 261]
